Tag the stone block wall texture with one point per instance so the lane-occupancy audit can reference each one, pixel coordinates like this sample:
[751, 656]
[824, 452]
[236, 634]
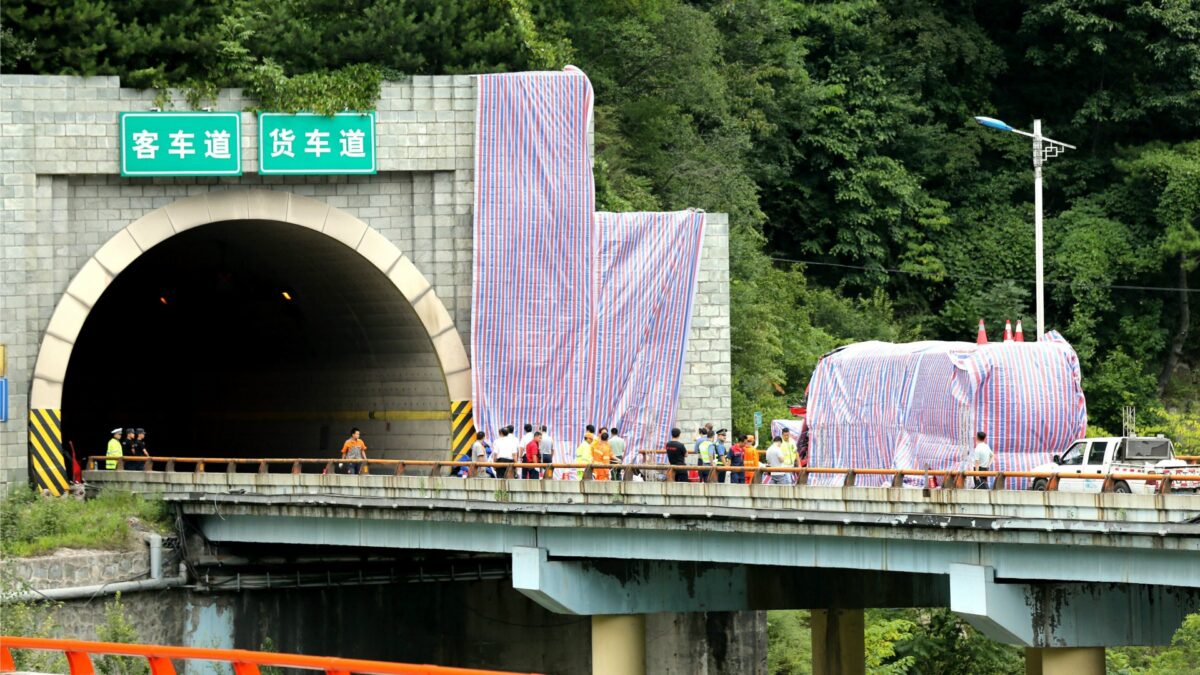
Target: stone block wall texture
[83, 568]
[63, 198]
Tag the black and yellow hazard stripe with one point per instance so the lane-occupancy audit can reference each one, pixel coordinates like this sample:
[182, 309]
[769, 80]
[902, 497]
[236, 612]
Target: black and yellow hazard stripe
[46, 460]
[462, 428]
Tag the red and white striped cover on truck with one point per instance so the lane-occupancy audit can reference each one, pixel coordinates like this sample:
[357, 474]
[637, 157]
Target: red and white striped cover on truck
[918, 405]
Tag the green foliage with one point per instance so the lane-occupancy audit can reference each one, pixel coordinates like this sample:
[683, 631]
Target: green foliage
[789, 643]
[880, 636]
[28, 619]
[117, 628]
[32, 525]
[936, 642]
[1179, 658]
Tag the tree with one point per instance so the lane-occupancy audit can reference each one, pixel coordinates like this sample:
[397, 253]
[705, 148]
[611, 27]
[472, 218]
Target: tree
[1172, 175]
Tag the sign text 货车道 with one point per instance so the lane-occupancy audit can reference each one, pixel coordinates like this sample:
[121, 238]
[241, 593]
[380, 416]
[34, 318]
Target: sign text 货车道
[181, 144]
[307, 144]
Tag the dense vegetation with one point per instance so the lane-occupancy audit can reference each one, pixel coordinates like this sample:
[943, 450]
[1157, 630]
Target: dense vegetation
[836, 133]
[935, 642]
[31, 525]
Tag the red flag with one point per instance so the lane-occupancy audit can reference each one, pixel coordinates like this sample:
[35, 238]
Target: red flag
[76, 470]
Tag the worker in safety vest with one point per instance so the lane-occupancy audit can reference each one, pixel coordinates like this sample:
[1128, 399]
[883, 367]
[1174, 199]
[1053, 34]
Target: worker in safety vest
[583, 452]
[751, 451]
[707, 457]
[114, 449]
[721, 454]
[790, 456]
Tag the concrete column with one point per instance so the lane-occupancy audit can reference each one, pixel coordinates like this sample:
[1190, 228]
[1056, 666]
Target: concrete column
[619, 644]
[837, 642]
[1033, 661]
[1072, 661]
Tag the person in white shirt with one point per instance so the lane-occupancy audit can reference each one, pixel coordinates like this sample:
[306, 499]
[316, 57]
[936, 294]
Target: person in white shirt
[527, 437]
[618, 451]
[479, 453]
[547, 446]
[505, 451]
[775, 459]
[981, 458]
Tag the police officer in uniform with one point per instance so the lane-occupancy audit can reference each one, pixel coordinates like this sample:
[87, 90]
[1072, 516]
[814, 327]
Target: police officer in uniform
[114, 449]
[139, 447]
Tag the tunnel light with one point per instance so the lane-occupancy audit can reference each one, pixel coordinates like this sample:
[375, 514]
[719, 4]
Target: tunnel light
[287, 296]
[162, 299]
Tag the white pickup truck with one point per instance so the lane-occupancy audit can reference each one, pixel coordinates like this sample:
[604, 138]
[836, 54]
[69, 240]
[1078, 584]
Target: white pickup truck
[1118, 455]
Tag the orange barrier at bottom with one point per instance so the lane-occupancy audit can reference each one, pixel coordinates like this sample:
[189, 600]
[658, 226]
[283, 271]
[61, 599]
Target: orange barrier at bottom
[244, 662]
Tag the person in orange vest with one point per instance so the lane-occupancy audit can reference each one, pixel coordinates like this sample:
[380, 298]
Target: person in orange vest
[750, 449]
[602, 454]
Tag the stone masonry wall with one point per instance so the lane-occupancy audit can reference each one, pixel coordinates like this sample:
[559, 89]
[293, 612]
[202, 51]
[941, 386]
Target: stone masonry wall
[63, 199]
[69, 568]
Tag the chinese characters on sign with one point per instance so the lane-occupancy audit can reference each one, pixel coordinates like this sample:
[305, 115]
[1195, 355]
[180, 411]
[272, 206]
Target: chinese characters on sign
[181, 144]
[312, 144]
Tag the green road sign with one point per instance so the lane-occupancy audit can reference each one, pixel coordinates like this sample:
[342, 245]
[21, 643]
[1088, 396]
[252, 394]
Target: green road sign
[305, 143]
[181, 144]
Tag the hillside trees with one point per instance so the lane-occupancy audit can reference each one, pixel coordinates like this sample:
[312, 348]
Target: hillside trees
[835, 132]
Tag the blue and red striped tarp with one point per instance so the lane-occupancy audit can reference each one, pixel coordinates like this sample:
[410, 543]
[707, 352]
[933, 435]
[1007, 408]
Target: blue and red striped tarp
[648, 268]
[918, 405]
[578, 318]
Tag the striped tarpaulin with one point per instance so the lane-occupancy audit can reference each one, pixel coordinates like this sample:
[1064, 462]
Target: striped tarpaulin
[648, 268]
[535, 263]
[918, 405]
[578, 318]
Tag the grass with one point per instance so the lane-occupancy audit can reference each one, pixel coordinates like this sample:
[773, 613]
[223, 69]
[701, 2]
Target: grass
[32, 525]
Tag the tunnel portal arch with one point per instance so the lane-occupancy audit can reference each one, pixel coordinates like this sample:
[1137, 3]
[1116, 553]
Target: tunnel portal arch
[314, 219]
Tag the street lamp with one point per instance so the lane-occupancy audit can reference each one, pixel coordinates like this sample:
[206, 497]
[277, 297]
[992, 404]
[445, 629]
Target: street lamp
[1043, 150]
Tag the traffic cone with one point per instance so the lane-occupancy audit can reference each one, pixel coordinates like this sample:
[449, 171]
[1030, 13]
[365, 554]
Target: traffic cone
[1008, 337]
[981, 336]
[1020, 334]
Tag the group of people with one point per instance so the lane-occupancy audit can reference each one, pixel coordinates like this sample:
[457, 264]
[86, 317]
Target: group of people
[710, 450]
[536, 445]
[129, 442]
[605, 450]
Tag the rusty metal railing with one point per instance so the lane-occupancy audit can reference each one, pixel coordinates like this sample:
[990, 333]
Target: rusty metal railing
[244, 662]
[926, 478]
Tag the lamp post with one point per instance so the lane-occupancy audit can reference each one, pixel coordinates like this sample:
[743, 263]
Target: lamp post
[1043, 150]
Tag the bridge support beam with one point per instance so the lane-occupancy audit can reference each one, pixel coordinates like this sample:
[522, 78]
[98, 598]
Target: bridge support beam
[1068, 614]
[588, 588]
[619, 644]
[837, 642]
[606, 586]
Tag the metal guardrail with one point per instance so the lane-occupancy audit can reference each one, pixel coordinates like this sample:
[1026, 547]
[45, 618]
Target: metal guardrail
[244, 662]
[928, 478]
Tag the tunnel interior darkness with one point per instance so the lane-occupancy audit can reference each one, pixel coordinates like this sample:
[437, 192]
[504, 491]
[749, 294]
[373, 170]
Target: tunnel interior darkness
[255, 339]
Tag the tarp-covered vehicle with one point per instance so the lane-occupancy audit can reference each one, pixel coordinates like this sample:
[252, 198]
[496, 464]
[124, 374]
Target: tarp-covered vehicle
[918, 405]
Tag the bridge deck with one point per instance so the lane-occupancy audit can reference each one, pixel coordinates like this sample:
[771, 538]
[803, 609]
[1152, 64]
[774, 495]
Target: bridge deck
[985, 513]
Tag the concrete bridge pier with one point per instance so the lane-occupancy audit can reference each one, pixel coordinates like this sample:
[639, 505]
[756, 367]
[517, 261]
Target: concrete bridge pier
[838, 642]
[1064, 661]
[619, 644]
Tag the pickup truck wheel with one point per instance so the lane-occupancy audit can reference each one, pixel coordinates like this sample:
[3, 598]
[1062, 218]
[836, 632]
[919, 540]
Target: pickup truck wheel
[1122, 488]
[1039, 485]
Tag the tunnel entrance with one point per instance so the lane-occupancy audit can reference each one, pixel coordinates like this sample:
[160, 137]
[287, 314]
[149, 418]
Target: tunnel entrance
[256, 338]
